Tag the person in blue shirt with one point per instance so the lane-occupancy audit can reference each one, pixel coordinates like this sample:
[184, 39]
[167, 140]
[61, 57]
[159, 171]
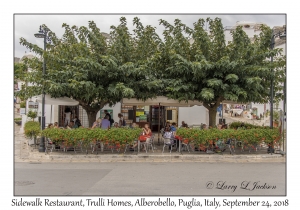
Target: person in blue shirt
[173, 130]
[173, 127]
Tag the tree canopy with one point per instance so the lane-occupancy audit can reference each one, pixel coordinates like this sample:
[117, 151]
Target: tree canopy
[187, 64]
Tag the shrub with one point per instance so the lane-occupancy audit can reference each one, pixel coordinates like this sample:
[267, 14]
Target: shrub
[32, 114]
[247, 136]
[120, 136]
[23, 104]
[32, 129]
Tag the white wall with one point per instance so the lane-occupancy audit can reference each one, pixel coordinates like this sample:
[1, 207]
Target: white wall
[193, 115]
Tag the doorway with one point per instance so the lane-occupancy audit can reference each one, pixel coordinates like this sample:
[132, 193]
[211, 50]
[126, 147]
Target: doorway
[61, 114]
[155, 118]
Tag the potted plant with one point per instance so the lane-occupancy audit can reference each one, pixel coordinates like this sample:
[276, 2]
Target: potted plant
[18, 121]
[31, 114]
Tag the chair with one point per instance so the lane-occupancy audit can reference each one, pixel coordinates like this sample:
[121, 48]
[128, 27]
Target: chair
[49, 145]
[167, 142]
[129, 145]
[185, 144]
[149, 141]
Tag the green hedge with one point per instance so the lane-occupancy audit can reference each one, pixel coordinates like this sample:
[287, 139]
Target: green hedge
[247, 136]
[236, 125]
[32, 129]
[119, 136]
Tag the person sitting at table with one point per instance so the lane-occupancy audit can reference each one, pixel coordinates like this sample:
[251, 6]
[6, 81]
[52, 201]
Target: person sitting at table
[105, 124]
[146, 130]
[146, 134]
[183, 125]
[97, 123]
[55, 125]
[173, 128]
[134, 125]
[167, 125]
[168, 134]
[204, 127]
[70, 125]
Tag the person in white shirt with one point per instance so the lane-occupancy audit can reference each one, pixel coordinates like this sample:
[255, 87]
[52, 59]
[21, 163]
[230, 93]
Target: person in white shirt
[67, 118]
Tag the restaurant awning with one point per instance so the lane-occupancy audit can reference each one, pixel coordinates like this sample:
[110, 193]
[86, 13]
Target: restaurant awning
[160, 100]
[65, 101]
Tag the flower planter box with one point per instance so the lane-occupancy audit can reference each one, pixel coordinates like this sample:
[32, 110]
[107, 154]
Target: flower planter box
[18, 122]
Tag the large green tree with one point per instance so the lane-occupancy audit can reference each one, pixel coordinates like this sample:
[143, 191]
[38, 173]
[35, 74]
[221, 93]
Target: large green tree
[207, 69]
[87, 67]
[188, 64]
[78, 66]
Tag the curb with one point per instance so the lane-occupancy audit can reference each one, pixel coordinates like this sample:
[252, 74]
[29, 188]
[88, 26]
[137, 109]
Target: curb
[153, 158]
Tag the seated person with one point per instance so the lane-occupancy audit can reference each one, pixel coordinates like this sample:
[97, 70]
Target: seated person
[183, 125]
[169, 135]
[134, 125]
[55, 125]
[116, 125]
[173, 128]
[77, 122]
[97, 123]
[50, 125]
[105, 124]
[70, 125]
[204, 127]
[147, 130]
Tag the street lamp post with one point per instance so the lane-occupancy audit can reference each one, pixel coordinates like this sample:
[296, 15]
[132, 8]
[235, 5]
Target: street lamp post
[281, 35]
[43, 33]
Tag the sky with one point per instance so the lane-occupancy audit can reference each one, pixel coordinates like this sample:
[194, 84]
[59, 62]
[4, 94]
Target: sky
[104, 21]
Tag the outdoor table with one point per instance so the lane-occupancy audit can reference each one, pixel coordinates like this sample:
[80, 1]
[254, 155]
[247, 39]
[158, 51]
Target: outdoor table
[178, 138]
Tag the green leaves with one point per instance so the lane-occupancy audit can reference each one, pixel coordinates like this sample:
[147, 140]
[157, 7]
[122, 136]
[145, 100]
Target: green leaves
[187, 63]
[232, 78]
[207, 94]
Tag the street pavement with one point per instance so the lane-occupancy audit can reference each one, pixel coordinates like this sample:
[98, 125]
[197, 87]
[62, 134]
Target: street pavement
[55, 179]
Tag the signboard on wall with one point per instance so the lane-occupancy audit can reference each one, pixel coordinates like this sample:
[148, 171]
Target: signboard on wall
[138, 113]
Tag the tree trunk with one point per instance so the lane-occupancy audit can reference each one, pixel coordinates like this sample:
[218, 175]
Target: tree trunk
[212, 116]
[212, 109]
[91, 117]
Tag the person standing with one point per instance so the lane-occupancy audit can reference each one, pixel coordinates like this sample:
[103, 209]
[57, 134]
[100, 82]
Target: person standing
[121, 120]
[77, 122]
[67, 116]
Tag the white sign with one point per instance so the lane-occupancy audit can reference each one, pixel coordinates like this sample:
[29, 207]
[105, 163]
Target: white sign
[22, 111]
